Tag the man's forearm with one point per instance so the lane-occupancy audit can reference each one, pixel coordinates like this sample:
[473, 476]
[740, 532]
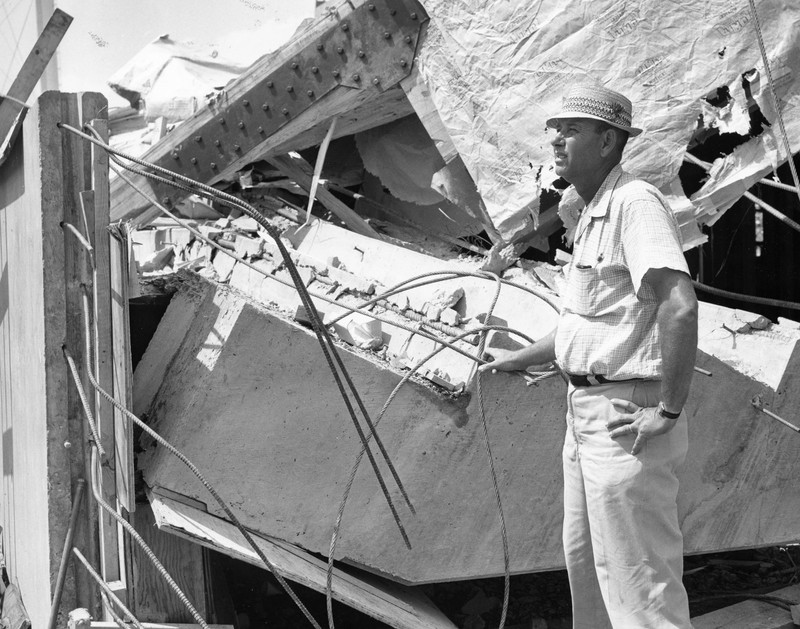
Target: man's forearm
[677, 325]
[538, 353]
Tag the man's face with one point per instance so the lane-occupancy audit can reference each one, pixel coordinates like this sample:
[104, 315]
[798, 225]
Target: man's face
[576, 148]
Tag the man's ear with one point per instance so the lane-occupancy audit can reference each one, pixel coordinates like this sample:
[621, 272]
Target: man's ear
[609, 141]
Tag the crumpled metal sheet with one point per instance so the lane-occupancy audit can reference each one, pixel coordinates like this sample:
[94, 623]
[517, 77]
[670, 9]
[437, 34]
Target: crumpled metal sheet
[497, 70]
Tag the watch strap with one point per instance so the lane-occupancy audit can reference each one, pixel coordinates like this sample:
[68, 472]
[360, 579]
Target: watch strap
[664, 412]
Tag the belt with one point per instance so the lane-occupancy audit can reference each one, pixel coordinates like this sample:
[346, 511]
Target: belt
[591, 380]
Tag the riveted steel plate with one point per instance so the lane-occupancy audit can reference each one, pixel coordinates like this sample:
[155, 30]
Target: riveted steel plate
[372, 48]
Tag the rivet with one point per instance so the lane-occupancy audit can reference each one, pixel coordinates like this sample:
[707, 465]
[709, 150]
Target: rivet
[336, 73]
[198, 138]
[222, 120]
[265, 106]
[345, 26]
[294, 65]
[289, 88]
[361, 53]
[261, 129]
[236, 147]
[386, 34]
[213, 165]
[320, 47]
[193, 160]
[217, 142]
[413, 16]
[174, 156]
[285, 111]
[371, 7]
[246, 103]
[270, 84]
[241, 125]
[310, 93]
[339, 49]
[376, 80]
[314, 69]
[403, 63]
[407, 39]
[356, 77]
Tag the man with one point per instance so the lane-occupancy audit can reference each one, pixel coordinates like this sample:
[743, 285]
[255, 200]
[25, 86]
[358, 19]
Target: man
[626, 339]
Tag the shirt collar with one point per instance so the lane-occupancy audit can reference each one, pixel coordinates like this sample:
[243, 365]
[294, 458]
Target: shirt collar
[598, 206]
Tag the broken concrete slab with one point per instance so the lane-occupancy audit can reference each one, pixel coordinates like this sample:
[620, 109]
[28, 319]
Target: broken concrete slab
[246, 393]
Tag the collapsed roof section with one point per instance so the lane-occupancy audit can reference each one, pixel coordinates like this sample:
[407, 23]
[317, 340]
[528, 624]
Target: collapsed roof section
[481, 80]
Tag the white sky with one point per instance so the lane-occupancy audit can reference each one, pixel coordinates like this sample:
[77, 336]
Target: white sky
[105, 34]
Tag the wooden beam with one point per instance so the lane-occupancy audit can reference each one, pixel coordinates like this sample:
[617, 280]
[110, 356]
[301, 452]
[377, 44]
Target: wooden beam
[112, 566]
[12, 107]
[122, 368]
[299, 170]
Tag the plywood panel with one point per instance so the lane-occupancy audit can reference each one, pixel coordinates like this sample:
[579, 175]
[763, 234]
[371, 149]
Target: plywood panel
[154, 599]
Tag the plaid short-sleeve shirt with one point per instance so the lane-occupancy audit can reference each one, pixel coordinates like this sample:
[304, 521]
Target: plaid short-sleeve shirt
[608, 319]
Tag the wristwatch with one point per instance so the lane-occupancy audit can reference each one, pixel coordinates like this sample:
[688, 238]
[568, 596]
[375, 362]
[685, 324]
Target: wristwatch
[665, 413]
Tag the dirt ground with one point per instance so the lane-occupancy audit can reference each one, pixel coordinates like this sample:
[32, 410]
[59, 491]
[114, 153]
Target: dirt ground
[538, 601]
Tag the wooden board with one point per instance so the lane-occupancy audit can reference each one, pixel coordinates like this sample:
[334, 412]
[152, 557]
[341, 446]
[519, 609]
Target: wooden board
[11, 111]
[154, 600]
[752, 614]
[397, 606]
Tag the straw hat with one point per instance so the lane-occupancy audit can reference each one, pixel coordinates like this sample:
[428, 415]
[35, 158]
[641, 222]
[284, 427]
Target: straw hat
[597, 103]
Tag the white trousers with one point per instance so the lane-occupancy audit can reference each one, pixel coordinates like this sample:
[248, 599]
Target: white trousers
[622, 542]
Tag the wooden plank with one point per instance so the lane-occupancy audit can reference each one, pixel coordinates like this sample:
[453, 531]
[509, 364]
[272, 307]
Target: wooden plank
[110, 565]
[122, 369]
[397, 606]
[154, 600]
[752, 614]
[301, 172]
[12, 111]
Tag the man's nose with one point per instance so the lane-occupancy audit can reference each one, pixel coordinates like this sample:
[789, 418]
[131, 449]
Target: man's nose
[557, 139]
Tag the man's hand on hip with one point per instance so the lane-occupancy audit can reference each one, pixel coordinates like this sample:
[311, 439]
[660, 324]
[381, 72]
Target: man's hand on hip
[642, 421]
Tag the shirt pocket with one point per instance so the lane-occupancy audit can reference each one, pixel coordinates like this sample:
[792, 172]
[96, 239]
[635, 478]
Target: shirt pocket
[593, 291]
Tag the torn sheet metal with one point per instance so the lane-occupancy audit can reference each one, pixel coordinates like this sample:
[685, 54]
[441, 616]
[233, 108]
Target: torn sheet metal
[173, 78]
[497, 70]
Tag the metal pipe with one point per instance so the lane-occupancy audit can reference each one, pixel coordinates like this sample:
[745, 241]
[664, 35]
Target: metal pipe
[756, 401]
[771, 210]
